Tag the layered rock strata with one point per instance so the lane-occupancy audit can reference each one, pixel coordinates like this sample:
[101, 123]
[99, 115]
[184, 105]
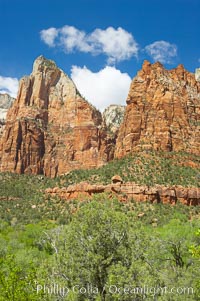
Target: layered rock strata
[162, 113]
[128, 191]
[50, 128]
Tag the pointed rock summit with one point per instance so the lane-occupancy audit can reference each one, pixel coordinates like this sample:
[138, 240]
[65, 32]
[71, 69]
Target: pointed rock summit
[162, 113]
[51, 129]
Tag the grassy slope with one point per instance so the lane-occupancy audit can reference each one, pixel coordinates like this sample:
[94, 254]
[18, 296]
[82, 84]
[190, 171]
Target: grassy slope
[22, 197]
[145, 168]
[27, 217]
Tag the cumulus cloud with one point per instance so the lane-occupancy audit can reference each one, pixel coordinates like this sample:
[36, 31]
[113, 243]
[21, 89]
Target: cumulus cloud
[73, 39]
[116, 44]
[162, 51]
[108, 86]
[9, 85]
[49, 35]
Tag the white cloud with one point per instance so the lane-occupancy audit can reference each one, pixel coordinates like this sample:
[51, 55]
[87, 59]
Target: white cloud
[162, 51]
[49, 35]
[73, 39]
[108, 86]
[9, 85]
[116, 44]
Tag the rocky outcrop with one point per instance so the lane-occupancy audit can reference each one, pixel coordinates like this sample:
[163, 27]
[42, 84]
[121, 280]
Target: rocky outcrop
[51, 129]
[197, 74]
[128, 191]
[113, 117]
[162, 113]
[2, 126]
[5, 103]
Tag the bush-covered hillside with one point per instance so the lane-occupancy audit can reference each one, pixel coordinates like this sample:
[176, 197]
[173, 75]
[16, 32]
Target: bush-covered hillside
[102, 249]
[145, 168]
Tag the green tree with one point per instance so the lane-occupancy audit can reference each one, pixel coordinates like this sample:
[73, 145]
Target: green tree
[96, 240]
[195, 251]
[16, 283]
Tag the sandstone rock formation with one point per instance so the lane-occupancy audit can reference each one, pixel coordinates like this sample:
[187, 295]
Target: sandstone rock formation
[51, 129]
[113, 117]
[127, 191]
[5, 103]
[117, 179]
[162, 113]
[197, 74]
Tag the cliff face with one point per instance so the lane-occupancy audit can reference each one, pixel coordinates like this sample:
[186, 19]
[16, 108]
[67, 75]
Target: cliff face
[128, 191]
[197, 74]
[50, 128]
[5, 103]
[162, 113]
[113, 116]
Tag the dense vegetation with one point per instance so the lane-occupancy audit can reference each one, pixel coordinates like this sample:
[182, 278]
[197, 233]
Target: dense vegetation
[145, 168]
[103, 252]
[102, 249]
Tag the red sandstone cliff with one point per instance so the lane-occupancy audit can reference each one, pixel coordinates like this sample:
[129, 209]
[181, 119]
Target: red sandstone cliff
[127, 191]
[162, 113]
[50, 128]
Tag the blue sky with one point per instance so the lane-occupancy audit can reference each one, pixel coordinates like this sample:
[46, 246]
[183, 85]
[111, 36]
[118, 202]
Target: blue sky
[110, 38]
